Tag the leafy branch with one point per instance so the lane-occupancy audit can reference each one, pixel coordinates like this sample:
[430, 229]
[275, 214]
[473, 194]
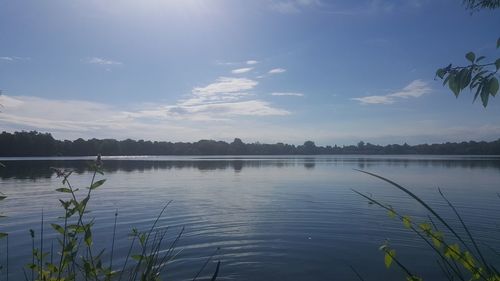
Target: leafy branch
[479, 77]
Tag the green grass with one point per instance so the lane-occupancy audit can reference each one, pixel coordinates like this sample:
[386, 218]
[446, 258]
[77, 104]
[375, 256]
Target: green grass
[459, 257]
[74, 257]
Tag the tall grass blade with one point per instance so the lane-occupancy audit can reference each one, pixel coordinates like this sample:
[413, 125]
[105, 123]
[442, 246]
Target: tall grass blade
[357, 273]
[136, 271]
[205, 264]
[425, 205]
[214, 277]
[466, 229]
[7, 264]
[113, 241]
[41, 246]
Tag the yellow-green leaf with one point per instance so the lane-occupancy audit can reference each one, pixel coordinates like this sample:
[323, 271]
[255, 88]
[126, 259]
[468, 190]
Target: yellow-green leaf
[97, 184]
[437, 237]
[468, 260]
[425, 227]
[388, 258]
[58, 228]
[453, 251]
[406, 221]
[391, 213]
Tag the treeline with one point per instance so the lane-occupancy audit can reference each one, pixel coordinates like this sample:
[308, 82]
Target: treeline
[33, 143]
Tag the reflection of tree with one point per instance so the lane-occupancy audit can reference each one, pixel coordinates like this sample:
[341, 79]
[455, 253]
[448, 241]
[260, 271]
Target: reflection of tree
[33, 170]
[309, 163]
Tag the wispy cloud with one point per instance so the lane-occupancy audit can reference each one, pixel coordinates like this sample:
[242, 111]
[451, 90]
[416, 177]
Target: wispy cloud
[225, 85]
[276, 70]
[375, 100]
[14, 58]
[102, 61]
[292, 6]
[415, 89]
[241, 70]
[252, 62]
[227, 100]
[227, 96]
[289, 94]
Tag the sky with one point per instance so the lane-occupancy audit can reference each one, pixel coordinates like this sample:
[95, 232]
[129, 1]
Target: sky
[335, 72]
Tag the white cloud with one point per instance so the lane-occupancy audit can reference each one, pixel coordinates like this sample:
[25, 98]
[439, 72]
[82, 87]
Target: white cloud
[252, 62]
[290, 94]
[375, 100]
[225, 85]
[276, 70]
[10, 59]
[102, 61]
[415, 89]
[292, 6]
[241, 70]
[225, 101]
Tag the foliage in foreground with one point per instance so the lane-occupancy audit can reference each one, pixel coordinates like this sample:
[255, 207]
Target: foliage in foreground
[479, 76]
[459, 257]
[77, 259]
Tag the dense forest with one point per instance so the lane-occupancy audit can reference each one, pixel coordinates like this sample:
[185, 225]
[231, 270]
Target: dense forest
[43, 144]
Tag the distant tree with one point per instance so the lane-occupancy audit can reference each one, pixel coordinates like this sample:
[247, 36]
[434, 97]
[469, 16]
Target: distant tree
[361, 144]
[309, 147]
[480, 75]
[19, 144]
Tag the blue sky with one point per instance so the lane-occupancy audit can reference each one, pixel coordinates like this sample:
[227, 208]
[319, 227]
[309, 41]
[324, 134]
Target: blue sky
[335, 72]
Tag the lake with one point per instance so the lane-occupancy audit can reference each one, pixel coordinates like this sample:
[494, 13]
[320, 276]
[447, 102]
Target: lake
[273, 217]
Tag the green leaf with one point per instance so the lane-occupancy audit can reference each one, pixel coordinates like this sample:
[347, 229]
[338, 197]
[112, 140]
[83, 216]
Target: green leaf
[391, 213]
[493, 86]
[425, 227]
[440, 73]
[468, 260]
[64, 189]
[453, 251]
[480, 58]
[406, 221]
[97, 184]
[498, 43]
[58, 228]
[464, 78]
[3, 235]
[453, 84]
[2, 197]
[497, 64]
[485, 94]
[478, 91]
[88, 236]
[136, 257]
[437, 237]
[470, 56]
[388, 257]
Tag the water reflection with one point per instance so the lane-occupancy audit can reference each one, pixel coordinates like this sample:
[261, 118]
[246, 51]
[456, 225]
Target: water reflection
[36, 169]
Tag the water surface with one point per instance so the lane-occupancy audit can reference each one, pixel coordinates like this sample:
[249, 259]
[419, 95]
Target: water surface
[273, 217]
